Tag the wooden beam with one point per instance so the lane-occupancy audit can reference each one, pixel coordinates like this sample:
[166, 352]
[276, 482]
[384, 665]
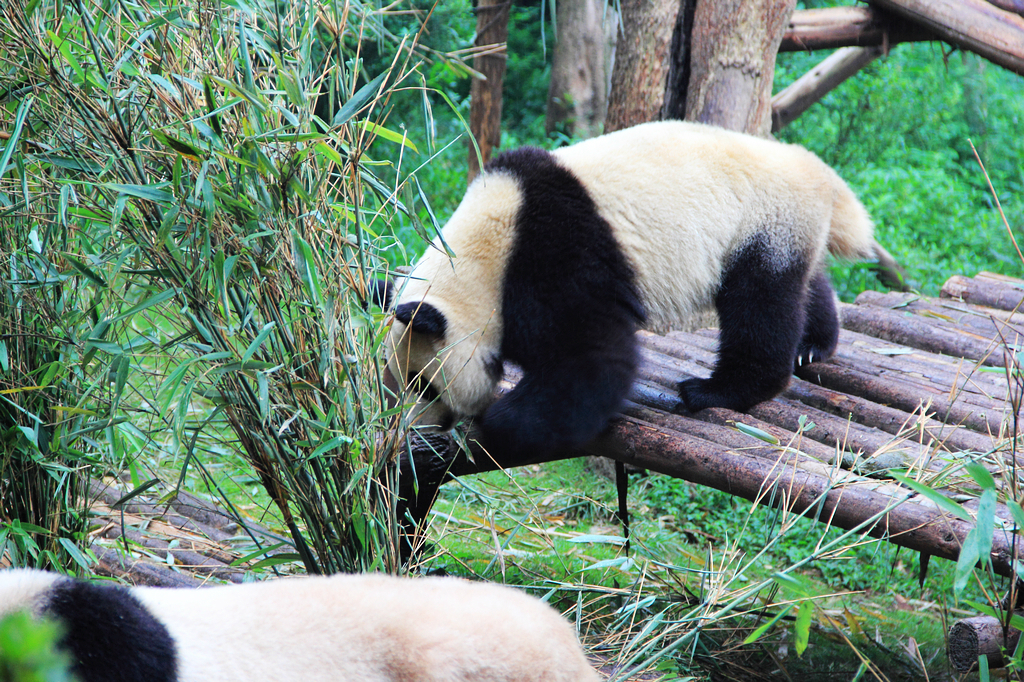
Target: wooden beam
[794, 100]
[817, 29]
[974, 25]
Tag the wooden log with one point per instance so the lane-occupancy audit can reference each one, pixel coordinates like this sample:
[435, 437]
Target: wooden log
[699, 347]
[138, 572]
[798, 97]
[890, 391]
[1015, 6]
[912, 373]
[904, 520]
[931, 432]
[195, 562]
[817, 29]
[984, 292]
[916, 332]
[864, 445]
[947, 312]
[972, 638]
[974, 25]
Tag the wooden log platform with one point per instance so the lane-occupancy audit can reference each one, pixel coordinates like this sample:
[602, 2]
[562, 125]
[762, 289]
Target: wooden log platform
[918, 386]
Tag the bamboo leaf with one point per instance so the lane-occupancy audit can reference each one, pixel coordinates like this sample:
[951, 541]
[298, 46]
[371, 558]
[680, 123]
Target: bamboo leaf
[802, 627]
[154, 193]
[980, 474]
[387, 134]
[756, 634]
[180, 146]
[267, 330]
[12, 142]
[358, 100]
[934, 496]
[155, 299]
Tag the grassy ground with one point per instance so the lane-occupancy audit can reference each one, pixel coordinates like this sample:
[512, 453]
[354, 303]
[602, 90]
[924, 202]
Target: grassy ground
[553, 528]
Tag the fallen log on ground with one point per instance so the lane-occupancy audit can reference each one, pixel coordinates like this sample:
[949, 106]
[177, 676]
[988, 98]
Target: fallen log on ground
[970, 638]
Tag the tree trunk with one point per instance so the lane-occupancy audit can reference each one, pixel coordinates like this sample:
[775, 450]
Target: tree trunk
[485, 95]
[651, 62]
[733, 62]
[580, 69]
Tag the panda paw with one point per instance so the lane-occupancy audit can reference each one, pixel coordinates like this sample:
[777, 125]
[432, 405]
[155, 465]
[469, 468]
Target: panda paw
[809, 353]
[698, 394]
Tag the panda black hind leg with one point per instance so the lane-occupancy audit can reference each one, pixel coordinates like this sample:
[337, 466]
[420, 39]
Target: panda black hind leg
[762, 310]
[821, 329]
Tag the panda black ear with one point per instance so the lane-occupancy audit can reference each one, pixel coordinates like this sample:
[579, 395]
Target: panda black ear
[381, 292]
[423, 318]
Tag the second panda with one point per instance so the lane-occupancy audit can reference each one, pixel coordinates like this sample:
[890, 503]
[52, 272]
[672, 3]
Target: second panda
[557, 258]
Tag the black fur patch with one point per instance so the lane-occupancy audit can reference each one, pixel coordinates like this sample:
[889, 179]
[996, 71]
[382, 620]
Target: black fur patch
[570, 308]
[381, 293]
[110, 635]
[762, 314]
[821, 330]
[424, 318]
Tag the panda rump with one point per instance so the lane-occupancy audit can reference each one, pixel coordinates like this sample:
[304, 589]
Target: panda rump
[371, 628]
[559, 257]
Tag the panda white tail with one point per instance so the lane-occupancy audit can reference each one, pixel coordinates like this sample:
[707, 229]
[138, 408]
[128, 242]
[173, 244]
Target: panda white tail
[851, 234]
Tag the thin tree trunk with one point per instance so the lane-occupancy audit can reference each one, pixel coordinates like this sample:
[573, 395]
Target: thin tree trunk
[485, 95]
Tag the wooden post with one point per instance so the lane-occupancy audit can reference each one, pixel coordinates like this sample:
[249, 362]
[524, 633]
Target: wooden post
[651, 63]
[578, 91]
[485, 95]
[732, 63]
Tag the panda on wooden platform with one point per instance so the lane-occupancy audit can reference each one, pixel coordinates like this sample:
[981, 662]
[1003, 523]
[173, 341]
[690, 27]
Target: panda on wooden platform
[344, 628]
[559, 257]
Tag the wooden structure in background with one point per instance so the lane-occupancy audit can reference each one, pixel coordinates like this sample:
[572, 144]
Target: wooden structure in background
[994, 30]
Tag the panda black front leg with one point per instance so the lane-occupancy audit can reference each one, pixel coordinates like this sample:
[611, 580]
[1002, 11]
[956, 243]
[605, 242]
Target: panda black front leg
[561, 405]
[762, 309]
[821, 330]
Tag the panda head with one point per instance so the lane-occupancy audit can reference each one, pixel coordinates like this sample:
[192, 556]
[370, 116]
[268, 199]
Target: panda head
[449, 370]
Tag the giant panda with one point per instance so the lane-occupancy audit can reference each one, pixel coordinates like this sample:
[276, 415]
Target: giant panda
[344, 628]
[554, 259]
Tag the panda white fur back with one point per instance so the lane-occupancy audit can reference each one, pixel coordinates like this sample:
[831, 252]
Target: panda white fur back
[371, 628]
[559, 257]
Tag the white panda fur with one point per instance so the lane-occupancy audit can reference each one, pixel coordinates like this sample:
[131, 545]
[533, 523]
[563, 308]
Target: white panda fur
[370, 628]
[684, 217]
